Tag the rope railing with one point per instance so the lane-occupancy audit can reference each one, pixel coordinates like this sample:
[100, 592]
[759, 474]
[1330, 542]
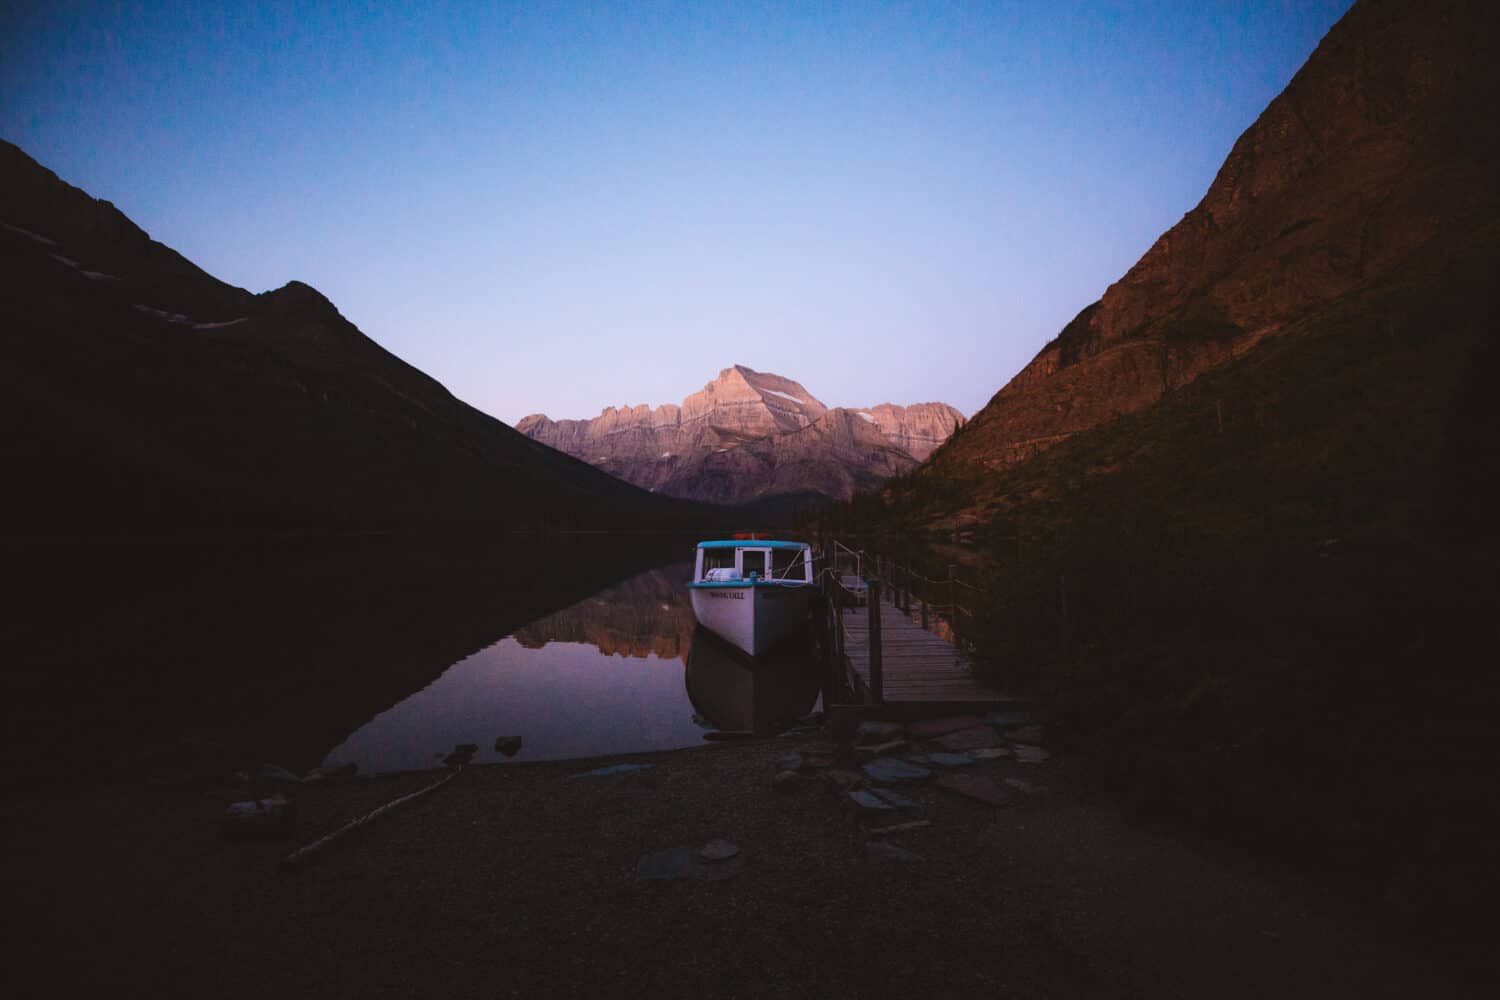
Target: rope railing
[906, 575]
[903, 589]
[858, 633]
[925, 579]
[849, 590]
[839, 582]
[898, 569]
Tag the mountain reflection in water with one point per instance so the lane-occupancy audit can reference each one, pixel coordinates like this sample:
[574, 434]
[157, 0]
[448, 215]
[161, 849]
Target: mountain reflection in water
[625, 670]
[643, 616]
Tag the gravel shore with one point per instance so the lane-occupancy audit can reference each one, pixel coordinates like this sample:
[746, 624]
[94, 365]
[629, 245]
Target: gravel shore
[522, 880]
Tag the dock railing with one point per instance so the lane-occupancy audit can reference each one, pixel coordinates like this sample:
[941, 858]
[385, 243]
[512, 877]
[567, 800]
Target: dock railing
[950, 598]
[854, 578]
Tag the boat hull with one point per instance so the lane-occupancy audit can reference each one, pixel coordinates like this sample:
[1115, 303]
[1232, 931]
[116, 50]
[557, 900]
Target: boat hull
[751, 616]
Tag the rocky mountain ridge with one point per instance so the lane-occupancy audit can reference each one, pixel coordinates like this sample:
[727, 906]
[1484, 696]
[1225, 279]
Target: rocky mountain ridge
[750, 434]
[1383, 142]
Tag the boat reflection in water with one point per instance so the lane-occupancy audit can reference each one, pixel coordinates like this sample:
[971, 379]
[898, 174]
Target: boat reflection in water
[763, 695]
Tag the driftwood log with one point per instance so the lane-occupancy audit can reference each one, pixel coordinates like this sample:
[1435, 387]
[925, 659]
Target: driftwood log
[303, 855]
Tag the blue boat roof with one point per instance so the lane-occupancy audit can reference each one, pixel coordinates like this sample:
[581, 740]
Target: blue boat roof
[751, 543]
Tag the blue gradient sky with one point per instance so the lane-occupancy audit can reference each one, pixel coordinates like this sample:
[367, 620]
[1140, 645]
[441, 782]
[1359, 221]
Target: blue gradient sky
[556, 208]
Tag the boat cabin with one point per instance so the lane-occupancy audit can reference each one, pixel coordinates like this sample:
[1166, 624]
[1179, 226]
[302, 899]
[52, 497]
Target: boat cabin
[750, 560]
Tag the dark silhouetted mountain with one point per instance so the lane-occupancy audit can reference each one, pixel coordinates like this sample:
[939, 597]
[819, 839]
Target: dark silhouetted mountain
[145, 396]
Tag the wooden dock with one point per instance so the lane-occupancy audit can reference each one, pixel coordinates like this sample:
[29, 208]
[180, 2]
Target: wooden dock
[906, 663]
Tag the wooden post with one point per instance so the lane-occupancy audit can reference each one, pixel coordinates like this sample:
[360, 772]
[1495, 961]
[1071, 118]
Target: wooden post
[952, 600]
[877, 670]
[828, 631]
[1067, 626]
[830, 654]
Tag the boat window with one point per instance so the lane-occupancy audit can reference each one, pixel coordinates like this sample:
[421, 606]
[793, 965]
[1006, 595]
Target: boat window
[717, 559]
[753, 562]
[786, 564]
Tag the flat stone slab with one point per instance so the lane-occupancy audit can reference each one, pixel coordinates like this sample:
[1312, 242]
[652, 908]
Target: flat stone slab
[886, 769]
[841, 778]
[791, 761]
[974, 738]
[720, 870]
[945, 759]
[613, 769]
[881, 800]
[1030, 755]
[895, 798]
[978, 787]
[1025, 734]
[1008, 720]
[895, 828]
[867, 799]
[990, 753]
[928, 729]
[1024, 787]
[684, 863]
[871, 731]
[878, 749]
[718, 850]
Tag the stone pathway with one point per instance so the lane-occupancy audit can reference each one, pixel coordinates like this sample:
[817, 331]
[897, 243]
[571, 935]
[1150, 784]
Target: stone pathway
[955, 756]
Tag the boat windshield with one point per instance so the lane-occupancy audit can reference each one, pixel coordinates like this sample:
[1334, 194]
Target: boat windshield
[752, 563]
[786, 564]
[717, 559]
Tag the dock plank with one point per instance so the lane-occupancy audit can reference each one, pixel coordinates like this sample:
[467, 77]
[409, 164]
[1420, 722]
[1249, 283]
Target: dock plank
[917, 665]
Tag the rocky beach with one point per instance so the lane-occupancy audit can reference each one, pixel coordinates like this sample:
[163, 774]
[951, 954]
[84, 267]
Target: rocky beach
[589, 878]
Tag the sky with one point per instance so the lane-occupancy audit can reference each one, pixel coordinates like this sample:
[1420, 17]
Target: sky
[561, 207]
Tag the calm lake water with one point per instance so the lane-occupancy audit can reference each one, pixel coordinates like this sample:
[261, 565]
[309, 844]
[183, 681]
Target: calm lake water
[197, 661]
[623, 670]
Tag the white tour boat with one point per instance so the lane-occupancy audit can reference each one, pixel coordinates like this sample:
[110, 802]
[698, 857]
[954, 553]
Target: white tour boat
[751, 591]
